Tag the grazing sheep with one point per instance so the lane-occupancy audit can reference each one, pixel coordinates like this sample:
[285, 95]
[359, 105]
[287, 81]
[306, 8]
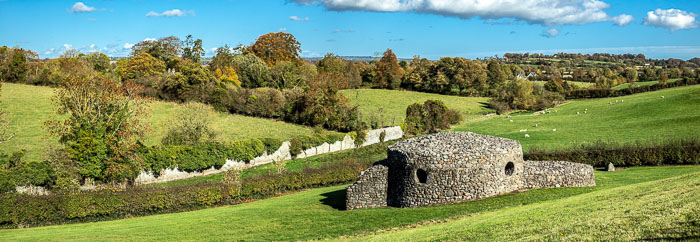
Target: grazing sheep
[577, 113]
[511, 120]
[662, 96]
[555, 110]
[508, 116]
[536, 125]
[622, 101]
[585, 111]
[527, 136]
[554, 130]
[523, 130]
[610, 103]
[615, 100]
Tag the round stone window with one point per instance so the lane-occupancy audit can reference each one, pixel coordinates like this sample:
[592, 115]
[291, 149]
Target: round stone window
[421, 176]
[510, 168]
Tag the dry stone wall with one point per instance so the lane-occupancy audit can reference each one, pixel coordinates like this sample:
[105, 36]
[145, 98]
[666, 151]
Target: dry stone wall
[458, 166]
[372, 137]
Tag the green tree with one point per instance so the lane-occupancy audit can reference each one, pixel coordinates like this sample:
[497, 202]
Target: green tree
[276, 47]
[163, 49]
[222, 58]
[142, 68]
[630, 74]
[104, 121]
[252, 71]
[191, 125]
[495, 75]
[192, 49]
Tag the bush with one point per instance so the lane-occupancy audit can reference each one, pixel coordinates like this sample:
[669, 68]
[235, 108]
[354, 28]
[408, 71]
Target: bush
[599, 154]
[23, 210]
[200, 157]
[14, 172]
[191, 126]
[429, 117]
[271, 144]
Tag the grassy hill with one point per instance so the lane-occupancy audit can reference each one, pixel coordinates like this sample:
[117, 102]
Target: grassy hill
[641, 117]
[393, 103]
[28, 107]
[664, 200]
[649, 83]
[575, 83]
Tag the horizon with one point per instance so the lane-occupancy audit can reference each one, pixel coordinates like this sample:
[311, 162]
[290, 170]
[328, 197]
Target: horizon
[658, 30]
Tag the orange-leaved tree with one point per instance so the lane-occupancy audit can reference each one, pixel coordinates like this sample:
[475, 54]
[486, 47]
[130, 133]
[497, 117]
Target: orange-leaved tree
[276, 47]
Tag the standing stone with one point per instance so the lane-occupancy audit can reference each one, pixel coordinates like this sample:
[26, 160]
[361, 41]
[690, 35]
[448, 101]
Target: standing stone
[611, 167]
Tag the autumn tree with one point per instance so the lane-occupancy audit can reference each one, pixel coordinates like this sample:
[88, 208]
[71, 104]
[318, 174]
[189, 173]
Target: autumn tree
[163, 49]
[276, 47]
[192, 49]
[222, 58]
[14, 63]
[104, 119]
[228, 76]
[143, 68]
[389, 72]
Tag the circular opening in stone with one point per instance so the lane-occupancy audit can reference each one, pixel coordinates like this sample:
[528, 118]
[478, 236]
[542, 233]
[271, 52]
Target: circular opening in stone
[510, 168]
[421, 176]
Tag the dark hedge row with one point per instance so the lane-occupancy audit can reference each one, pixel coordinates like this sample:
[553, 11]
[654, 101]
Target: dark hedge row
[601, 93]
[23, 210]
[684, 152]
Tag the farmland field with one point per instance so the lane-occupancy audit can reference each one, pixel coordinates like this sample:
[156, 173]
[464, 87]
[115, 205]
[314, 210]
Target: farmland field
[319, 214]
[649, 83]
[628, 119]
[393, 103]
[28, 107]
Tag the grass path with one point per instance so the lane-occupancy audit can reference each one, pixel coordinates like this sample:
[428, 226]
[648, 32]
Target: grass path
[393, 103]
[28, 107]
[318, 214]
[666, 209]
[641, 117]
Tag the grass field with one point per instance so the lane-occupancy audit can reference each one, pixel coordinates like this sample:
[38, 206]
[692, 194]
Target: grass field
[578, 84]
[319, 214]
[393, 103]
[28, 107]
[641, 117]
[649, 83]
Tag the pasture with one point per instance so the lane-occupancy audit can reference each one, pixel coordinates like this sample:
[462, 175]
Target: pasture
[649, 83]
[389, 106]
[627, 119]
[28, 107]
[319, 214]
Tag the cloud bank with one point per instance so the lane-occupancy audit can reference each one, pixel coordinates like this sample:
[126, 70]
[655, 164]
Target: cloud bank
[171, 13]
[672, 19]
[295, 18]
[542, 12]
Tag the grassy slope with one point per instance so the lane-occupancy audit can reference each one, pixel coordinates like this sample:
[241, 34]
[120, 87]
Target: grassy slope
[649, 83]
[394, 103]
[640, 117]
[315, 214]
[579, 84]
[656, 210]
[28, 107]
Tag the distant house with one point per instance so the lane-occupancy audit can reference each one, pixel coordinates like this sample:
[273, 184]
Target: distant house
[531, 74]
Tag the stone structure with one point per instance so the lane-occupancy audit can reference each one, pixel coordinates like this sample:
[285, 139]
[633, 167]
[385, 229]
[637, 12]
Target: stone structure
[611, 167]
[457, 166]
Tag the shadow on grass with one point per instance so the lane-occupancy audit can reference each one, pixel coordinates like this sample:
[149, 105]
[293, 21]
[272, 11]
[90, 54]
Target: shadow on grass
[335, 199]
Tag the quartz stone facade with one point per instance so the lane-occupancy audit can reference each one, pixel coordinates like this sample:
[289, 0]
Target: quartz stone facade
[457, 166]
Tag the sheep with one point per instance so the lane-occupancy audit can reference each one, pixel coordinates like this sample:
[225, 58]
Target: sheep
[555, 110]
[577, 113]
[510, 120]
[536, 125]
[585, 111]
[615, 100]
[662, 96]
[523, 130]
[508, 116]
[527, 136]
[610, 103]
[622, 101]
[554, 130]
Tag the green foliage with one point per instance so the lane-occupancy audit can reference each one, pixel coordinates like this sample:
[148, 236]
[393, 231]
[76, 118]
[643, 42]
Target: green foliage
[251, 70]
[192, 49]
[14, 172]
[33, 210]
[201, 156]
[275, 47]
[429, 117]
[271, 144]
[191, 126]
[388, 71]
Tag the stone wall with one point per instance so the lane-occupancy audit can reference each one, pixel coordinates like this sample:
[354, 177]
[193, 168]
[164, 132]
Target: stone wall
[372, 137]
[541, 174]
[370, 190]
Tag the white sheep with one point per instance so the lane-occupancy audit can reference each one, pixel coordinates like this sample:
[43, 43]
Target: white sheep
[662, 96]
[536, 125]
[610, 103]
[585, 111]
[622, 101]
[555, 110]
[527, 136]
[508, 116]
[554, 130]
[523, 130]
[615, 100]
[577, 113]
[510, 120]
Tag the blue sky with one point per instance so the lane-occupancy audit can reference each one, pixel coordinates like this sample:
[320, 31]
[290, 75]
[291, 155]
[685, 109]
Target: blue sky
[362, 27]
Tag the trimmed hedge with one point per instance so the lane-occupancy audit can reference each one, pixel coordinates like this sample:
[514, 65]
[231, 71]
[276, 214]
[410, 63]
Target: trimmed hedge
[601, 93]
[23, 210]
[300, 143]
[684, 152]
[200, 157]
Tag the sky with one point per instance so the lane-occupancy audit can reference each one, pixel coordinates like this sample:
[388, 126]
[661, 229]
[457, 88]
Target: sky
[429, 28]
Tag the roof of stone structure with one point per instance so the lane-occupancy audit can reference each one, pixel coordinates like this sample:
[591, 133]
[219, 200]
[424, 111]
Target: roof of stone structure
[454, 146]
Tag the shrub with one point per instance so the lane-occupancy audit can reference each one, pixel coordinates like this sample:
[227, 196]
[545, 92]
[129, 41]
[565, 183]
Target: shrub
[640, 154]
[271, 144]
[429, 117]
[191, 126]
[200, 157]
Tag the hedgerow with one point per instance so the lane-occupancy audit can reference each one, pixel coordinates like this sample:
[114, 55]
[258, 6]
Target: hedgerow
[602, 93]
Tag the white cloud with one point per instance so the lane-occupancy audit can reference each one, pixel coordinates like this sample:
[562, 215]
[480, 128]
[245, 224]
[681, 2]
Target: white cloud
[622, 19]
[92, 46]
[171, 13]
[543, 12]
[80, 7]
[300, 19]
[550, 33]
[283, 29]
[149, 39]
[672, 19]
[127, 45]
[67, 46]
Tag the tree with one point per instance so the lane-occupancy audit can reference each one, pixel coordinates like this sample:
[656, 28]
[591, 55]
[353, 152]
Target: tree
[389, 72]
[228, 76]
[429, 117]
[223, 58]
[252, 71]
[142, 68]
[191, 126]
[192, 49]
[276, 47]
[287, 74]
[630, 74]
[163, 49]
[495, 75]
[104, 121]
